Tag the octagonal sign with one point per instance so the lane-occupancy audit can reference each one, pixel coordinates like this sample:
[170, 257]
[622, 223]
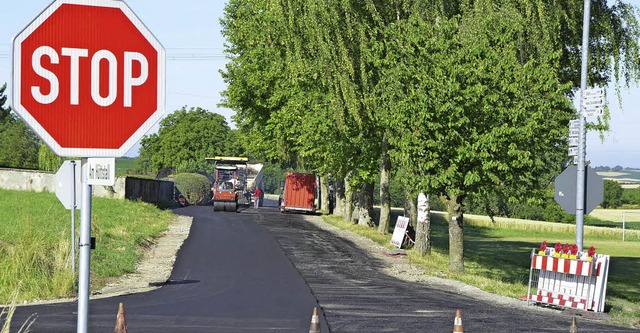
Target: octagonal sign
[565, 189]
[88, 77]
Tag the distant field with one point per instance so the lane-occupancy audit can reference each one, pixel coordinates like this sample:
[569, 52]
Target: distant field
[628, 178]
[615, 215]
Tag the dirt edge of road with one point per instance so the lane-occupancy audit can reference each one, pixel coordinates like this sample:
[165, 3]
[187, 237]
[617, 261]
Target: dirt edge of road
[154, 269]
[400, 268]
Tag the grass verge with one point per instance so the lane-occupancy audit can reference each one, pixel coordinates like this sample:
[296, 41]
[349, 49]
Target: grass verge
[35, 243]
[497, 256]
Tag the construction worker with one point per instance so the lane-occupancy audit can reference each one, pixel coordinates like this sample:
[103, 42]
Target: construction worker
[257, 194]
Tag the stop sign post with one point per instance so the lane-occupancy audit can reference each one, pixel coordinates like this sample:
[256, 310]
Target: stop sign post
[567, 192]
[88, 78]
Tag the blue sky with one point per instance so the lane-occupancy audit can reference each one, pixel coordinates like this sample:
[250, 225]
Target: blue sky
[190, 33]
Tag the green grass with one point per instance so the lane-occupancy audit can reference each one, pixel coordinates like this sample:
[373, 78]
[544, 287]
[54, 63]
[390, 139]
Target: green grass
[35, 242]
[497, 256]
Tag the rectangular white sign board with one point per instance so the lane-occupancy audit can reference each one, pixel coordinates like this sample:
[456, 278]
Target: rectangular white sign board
[573, 142]
[398, 232]
[99, 171]
[573, 151]
[574, 124]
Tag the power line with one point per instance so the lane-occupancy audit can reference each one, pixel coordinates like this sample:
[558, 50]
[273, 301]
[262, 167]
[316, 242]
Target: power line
[173, 57]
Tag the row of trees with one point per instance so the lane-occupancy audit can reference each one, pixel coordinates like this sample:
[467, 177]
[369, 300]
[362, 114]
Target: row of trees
[462, 98]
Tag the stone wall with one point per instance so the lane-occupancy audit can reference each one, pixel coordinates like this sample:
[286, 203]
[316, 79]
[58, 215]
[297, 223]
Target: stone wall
[39, 181]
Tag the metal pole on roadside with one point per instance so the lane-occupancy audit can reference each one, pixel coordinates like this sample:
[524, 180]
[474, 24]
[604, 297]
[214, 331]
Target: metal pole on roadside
[582, 145]
[85, 252]
[623, 226]
[73, 225]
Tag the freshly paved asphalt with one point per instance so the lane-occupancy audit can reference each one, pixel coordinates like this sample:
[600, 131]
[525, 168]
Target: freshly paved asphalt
[229, 276]
[263, 271]
[357, 296]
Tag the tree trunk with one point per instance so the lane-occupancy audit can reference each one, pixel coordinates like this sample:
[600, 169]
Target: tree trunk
[411, 209]
[324, 194]
[348, 199]
[385, 202]
[339, 208]
[365, 205]
[456, 239]
[423, 229]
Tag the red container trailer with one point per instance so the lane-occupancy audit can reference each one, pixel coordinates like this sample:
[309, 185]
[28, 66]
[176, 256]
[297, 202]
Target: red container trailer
[300, 192]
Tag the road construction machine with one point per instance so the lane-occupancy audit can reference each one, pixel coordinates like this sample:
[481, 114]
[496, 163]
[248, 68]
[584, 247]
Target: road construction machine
[229, 183]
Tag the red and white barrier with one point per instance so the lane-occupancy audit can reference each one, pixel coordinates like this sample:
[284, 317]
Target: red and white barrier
[569, 282]
[562, 265]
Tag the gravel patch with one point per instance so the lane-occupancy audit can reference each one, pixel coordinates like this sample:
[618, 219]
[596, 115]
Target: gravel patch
[154, 269]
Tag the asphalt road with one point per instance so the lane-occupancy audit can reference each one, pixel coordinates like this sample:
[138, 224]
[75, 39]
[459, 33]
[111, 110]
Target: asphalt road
[357, 296]
[229, 276]
[264, 271]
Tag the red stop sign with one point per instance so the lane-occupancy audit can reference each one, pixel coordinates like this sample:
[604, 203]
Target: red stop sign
[88, 77]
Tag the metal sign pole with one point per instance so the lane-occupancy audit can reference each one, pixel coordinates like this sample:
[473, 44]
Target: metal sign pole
[582, 146]
[73, 224]
[85, 252]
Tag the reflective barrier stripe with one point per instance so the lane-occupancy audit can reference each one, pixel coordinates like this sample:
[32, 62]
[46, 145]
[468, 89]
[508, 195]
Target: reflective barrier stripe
[562, 265]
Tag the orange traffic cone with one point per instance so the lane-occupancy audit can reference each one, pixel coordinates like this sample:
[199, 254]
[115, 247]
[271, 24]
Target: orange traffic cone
[121, 325]
[315, 322]
[574, 327]
[457, 323]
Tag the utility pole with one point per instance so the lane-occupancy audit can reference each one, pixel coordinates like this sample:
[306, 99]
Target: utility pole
[582, 144]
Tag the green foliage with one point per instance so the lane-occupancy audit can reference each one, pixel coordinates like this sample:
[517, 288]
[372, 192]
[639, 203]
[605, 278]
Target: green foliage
[189, 166]
[47, 160]
[273, 174]
[5, 111]
[18, 146]
[629, 196]
[18, 143]
[612, 197]
[195, 187]
[313, 76]
[466, 108]
[472, 93]
[185, 138]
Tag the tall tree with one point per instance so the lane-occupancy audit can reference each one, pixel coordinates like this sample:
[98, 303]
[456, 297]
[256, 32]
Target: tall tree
[186, 136]
[472, 119]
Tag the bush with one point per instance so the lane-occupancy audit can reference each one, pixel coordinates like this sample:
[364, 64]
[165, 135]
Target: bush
[612, 197]
[195, 187]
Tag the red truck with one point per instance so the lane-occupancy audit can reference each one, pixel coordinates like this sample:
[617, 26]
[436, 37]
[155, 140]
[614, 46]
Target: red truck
[300, 192]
